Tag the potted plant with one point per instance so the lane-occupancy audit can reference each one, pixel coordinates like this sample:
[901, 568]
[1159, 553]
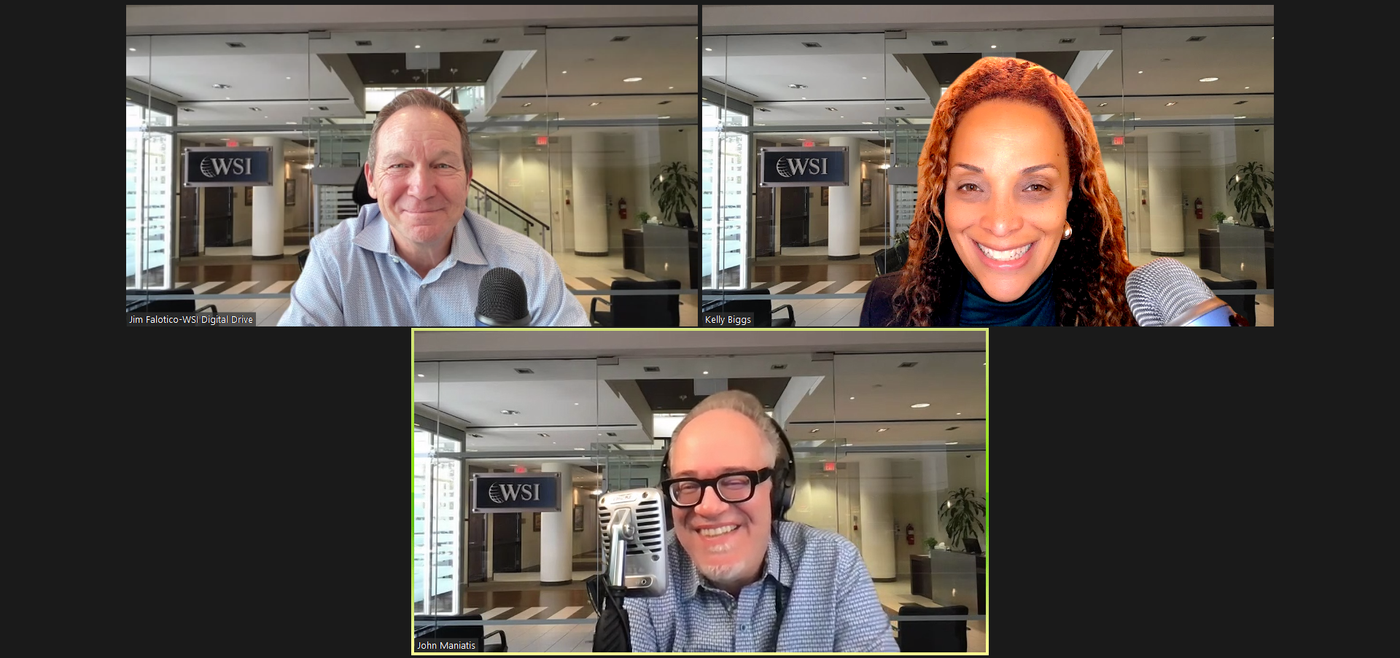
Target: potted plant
[674, 191]
[1218, 217]
[1251, 185]
[642, 218]
[932, 545]
[960, 513]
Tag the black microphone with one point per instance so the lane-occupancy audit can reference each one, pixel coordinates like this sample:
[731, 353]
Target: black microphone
[501, 301]
[1165, 293]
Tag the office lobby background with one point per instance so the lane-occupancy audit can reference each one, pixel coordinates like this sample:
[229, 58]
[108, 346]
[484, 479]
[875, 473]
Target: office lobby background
[884, 426]
[1181, 97]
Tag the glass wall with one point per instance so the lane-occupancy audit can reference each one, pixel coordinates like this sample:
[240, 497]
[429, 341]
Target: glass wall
[883, 438]
[583, 140]
[817, 248]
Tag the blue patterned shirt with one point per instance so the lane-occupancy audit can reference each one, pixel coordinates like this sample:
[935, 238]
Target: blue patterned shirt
[830, 603]
[354, 276]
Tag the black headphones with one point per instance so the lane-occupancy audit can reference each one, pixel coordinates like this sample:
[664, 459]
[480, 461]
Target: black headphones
[784, 479]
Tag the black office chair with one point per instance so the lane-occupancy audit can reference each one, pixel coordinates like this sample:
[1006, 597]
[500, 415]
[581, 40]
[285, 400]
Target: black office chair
[639, 310]
[729, 301]
[891, 259]
[301, 258]
[932, 635]
[435, 632]
[1242, 304]
[153, 303]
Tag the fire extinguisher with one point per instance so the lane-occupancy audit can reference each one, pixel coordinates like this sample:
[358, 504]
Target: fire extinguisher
[909, 533]
[622, 208]
[1200, 210]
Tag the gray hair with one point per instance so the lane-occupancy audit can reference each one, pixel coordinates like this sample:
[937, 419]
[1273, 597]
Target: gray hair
[744, 403]
[426, 99]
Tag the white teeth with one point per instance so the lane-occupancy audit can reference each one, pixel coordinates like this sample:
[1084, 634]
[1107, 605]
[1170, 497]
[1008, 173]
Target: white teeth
[1004, 255]
[715, 532]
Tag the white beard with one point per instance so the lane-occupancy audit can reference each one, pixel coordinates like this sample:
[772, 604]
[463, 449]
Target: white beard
[723, 576]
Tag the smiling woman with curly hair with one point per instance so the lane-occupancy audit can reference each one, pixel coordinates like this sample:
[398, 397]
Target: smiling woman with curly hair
[1015, 223]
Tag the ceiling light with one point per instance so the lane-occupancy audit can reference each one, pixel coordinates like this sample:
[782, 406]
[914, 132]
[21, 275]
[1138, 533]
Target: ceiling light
[853, 397]
[706, 372]
[542, 434]
[1139, 72]
[566, 73]
[631, 79]
[709, 50]
[665, 117]
[421, 375]
[1246, 87]
[1240, 117]
[862, 77]
[881, 429]
[670, 87]
[884, 165]
[291, 123]
[579, 448]
[307, 165]
[1209, 79]
[951, 443]
[866, 122]
[959, 413]
[1103, 104]
[920, 405]
[527, 105]
[796, 86]
[994, 46]
[593, 104]
[221, 86]
[1171, 103]
[417, 46]
[815, 430]
[508, 412]
[575, 404]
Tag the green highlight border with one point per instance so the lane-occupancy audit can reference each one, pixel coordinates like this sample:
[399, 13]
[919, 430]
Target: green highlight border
[986, 442]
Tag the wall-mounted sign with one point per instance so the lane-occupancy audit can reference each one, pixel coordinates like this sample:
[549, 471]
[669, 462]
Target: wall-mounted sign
[217, 166]
[515, 492]
[795, 166]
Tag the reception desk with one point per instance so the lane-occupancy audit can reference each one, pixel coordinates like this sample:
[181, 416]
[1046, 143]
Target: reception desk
[1246, 252]
[671, 253]
[1210, 249]
[950, 578]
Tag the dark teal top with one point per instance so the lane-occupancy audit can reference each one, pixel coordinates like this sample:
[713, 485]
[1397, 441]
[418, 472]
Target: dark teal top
[1036, 308]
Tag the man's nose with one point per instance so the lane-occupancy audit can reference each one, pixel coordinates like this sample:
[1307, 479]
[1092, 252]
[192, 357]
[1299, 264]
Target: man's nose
[711, 504]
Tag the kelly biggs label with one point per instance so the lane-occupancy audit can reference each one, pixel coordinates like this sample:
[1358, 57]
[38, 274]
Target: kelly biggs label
[727, 320]
[191, 319]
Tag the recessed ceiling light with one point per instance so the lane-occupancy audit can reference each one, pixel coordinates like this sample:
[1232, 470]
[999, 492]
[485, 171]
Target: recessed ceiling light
[920, 405]
[867, 122]
[221, 86]
[133, 50]
[1103, 104]
[421, 375]
[831, 109]
[705, 372]
[862, 77]
[509, 412]
[797, 86]
[1209, 79]
[1246, 87]
[1139, 72]
[544, 435]
[994, 46]
[853, 397]
[709, 50]
[951, 443]
[291, 123]
[882, 429]
[566, 72]
[815, 430]
[631, 79]
[417, 46]
[1171, 103]
[579, 448]
[665, 117]
[593, 104]
[959, 413]
[1240, 117]
[527, 105]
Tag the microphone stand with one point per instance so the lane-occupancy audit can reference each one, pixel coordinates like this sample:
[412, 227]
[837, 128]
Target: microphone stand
[612, 632]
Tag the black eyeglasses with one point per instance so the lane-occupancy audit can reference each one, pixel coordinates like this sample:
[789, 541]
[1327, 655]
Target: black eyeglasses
[734, 487]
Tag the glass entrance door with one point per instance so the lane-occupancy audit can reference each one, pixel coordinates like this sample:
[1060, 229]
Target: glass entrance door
[148, 190]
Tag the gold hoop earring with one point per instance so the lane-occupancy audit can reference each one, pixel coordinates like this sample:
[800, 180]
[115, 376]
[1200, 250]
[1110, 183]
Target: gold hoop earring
[1068, 231]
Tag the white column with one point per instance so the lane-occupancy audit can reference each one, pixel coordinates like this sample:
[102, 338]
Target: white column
[268, 205]
[557, 530]
[646, 164]
[935, 466]
[877, 516]
[1164, 194]
[1222, 165]
[843, 215]
[590, 196]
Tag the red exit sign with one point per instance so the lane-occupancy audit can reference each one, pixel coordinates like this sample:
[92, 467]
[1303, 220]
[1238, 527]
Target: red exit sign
[829, 466]
[541, 140]
[519, 469]
[808, 143]
[1117, 141]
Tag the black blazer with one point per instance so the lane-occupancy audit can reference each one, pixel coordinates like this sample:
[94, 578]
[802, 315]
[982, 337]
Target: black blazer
[879, 310]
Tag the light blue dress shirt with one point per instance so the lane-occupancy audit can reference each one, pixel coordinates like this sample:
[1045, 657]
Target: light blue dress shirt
[354, 277]
[830, 603]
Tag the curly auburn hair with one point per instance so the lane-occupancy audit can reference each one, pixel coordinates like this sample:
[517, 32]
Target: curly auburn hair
[1090, 269]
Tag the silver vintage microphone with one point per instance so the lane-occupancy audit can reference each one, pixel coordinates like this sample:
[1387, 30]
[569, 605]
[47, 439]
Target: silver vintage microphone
[634, 540]
[1165, 293]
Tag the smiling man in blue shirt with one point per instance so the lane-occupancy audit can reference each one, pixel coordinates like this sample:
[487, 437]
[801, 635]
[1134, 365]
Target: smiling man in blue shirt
[733, 583]
[417, 256]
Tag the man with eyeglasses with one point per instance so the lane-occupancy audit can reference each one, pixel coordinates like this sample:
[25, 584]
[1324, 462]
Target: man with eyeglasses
[744, 579]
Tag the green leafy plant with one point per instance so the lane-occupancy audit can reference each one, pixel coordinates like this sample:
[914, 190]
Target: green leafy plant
[1218, 217]
[642, 217]
[960, 513]
[674, 191]
[931, 543]
[1251, 184]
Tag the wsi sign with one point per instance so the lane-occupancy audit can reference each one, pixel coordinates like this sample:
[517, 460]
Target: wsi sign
[792, 166]
[515, 492]
[219, 166]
